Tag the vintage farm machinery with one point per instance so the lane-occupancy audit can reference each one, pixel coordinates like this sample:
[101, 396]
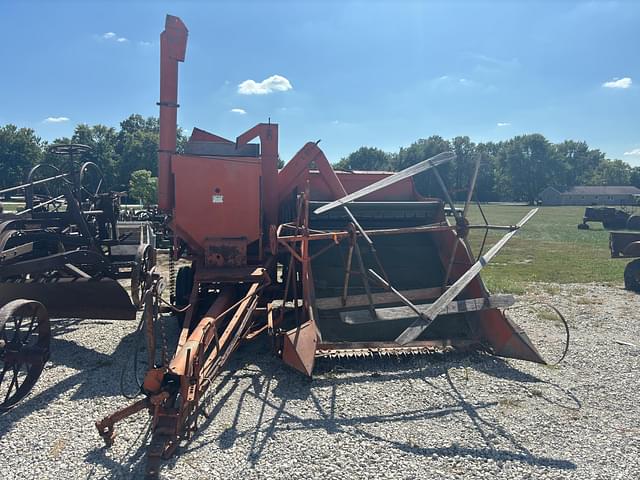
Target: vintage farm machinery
[610, 217]
[61, 257]
[328, 263]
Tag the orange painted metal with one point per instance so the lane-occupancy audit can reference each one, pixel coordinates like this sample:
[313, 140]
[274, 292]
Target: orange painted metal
[173, 47]
[268, 135]
[403, 191]
[209, 202]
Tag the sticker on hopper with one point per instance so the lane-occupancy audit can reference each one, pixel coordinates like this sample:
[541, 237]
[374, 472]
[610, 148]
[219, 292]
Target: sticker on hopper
[218, 199]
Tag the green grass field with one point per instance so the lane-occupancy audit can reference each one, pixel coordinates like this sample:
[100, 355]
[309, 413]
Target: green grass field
[549, 248]
[12, 207]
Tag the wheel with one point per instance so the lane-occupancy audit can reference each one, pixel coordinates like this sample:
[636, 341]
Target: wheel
[184, 285]
[632, 276]
[583, 226]
[25, 336]
[633, 222]
[144, 262]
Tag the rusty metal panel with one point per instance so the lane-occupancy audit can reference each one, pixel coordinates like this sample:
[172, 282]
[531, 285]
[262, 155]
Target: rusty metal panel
[299, 347]
[225, 252]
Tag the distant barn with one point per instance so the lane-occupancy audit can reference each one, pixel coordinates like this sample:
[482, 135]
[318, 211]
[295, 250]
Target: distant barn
[591, 196]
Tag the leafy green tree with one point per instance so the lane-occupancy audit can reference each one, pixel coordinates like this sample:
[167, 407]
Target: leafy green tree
[635, 177]
[612, 172]
[421, 150]
[527, 164]
[365, 158]
[580, 161]
[462, 167]
[20, 149]
[486, 185]
[102, 140]
[143, 187]
[137, 145]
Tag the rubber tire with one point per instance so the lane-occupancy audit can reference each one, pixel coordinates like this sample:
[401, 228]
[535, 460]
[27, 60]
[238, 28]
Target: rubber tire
[184, 285]
[633, 222]
[583, 226]
[632, 276]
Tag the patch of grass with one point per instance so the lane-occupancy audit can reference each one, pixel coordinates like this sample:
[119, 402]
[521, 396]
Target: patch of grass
[551, 288]
[12, 207]
[548, 249]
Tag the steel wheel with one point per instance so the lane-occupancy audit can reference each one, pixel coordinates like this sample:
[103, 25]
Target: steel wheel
[145, 261]
[25, 336]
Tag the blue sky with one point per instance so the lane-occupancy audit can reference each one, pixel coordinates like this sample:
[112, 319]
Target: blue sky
[378, 73]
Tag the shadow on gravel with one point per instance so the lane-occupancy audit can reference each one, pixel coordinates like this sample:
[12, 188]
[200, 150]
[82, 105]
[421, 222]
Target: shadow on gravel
[275, 386]
[255, 376]
[97, 374]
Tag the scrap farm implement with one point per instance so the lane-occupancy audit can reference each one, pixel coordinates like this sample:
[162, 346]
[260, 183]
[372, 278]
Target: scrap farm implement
[328, 263]
[61, 257]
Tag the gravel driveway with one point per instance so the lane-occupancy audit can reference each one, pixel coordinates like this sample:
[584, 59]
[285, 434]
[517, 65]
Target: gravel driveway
[441, 416]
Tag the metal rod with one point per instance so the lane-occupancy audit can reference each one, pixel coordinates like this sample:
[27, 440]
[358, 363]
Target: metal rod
[472, 186]
[42, 204]
[370, 233]
[347, 272]
[385, 182]
[454, 250]
[365, 280]
[416, 328]
[402, 298]
[31, 184]
[447, 197]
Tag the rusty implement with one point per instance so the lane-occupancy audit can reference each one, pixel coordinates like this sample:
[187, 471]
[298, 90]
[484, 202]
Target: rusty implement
[73, 297]
[66, 249]
[383, 299]
[61, 257]
[327, 263]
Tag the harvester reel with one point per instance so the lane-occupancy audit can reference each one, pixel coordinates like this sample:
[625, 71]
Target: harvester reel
[140, 273]
[25, 335]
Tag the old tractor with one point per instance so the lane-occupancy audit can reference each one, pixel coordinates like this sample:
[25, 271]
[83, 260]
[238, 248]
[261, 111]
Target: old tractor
[61, 257]
[327, 263]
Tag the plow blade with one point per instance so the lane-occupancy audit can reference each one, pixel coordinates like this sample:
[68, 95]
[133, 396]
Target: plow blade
[74, 297]
[356, 317]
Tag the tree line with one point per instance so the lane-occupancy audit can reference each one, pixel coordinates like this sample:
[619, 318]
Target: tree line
[118, 152]
[512, 170]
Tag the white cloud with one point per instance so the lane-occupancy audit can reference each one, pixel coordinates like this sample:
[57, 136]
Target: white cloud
[452, 82]
[142, 43]
[113, 37]
[634, 152]
[239, 111]
[56, 119]
[503, 124]
[275, 83]
[618, 83]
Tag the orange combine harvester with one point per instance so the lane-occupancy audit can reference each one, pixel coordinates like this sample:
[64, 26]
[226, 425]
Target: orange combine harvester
[328, 263]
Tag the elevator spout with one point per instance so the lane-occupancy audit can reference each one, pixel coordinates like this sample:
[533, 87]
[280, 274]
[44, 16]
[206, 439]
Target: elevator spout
[173, 46]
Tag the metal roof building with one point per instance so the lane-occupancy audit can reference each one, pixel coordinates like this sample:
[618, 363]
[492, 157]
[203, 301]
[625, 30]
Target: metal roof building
[591, 195]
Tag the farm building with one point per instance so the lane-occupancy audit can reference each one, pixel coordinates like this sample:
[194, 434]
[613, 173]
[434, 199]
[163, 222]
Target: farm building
[591, 195]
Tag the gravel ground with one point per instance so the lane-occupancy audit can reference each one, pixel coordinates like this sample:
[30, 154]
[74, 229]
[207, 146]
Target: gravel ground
[441, 416]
